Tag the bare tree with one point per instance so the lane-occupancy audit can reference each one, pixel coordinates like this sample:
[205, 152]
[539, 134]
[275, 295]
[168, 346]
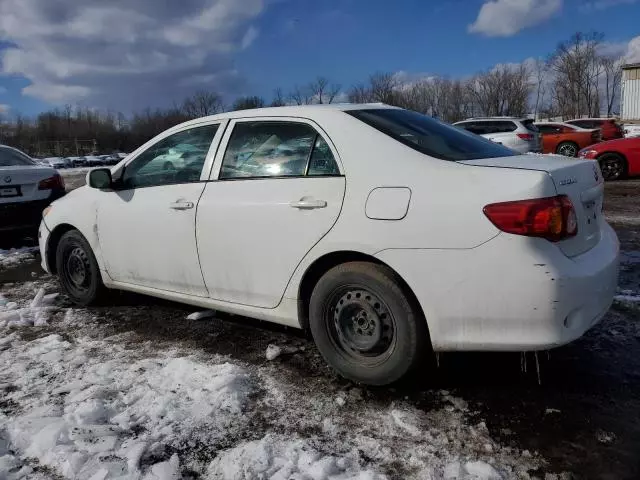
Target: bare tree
[278, 98]
[502, 91]
[300, 96]
[577, 68]
[246, 103]
[202, 103]
[540, 75]
[322, 91]
[359, 93]
[612, 67]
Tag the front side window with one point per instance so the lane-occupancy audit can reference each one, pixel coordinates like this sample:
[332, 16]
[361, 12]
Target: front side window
[178, 158]
[276, 149]
[430, 136]
[10, 158]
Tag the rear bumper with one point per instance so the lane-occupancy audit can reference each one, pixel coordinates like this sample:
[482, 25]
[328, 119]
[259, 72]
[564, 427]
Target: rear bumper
[23, 216]
[510, 294]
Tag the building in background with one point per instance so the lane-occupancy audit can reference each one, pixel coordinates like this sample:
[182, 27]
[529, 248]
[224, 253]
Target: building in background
[630, 106]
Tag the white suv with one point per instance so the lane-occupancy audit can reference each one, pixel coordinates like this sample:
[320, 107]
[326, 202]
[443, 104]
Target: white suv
[519, 134]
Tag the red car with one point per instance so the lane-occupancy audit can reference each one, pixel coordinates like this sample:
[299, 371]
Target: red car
[617, 158]
[609, 128]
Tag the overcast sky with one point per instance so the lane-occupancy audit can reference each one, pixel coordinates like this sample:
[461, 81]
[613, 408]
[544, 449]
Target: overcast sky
[128, 54]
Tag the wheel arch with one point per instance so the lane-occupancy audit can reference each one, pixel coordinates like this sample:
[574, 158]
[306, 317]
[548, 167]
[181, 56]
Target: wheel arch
[324, 263]
[52, 244]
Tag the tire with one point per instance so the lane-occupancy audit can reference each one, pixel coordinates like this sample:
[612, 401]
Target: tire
[365, 325]
[613, 166]
[568, 149]
[78, 270]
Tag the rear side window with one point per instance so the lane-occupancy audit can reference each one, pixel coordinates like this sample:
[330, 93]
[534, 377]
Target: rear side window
[549, 128]
[584, 124]
[529, 125]
[430, 136]
[10, 158]
[264, 149]
[501, 127]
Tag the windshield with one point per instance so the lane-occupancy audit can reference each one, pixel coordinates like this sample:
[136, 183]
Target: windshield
[10, 158]
[430, 136]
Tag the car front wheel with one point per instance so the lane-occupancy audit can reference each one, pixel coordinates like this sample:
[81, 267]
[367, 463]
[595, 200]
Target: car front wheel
[78, 269]
[365, 325]
[612, 166]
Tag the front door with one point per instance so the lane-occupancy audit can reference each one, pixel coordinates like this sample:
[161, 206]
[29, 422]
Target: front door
[279, 191]
[146, 227]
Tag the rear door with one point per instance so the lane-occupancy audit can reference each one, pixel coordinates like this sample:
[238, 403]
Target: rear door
[278, 191]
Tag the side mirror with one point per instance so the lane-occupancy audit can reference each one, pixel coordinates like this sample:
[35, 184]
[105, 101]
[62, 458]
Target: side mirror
[100, 178]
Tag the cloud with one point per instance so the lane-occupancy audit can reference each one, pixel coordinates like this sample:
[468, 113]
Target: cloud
[125, 54]
[598, 5]
[633, 51]
[504, 18]
[4, 108]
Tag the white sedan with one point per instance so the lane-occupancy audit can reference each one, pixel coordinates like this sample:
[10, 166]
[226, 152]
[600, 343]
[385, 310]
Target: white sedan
[389, 235]
[26, 188]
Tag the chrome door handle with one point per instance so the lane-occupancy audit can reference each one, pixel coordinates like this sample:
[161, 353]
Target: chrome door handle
[308, 204]
[181, 205]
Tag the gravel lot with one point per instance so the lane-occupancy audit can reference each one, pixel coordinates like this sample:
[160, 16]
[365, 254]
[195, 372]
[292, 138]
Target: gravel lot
[472, 416]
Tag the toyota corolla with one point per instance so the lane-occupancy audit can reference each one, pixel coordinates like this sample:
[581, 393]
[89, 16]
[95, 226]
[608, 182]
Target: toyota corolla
[388, 234]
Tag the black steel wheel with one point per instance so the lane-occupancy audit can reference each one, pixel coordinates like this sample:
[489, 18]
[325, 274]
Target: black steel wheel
[362, 325]
[612, 166]
[78, 269]
[365, 325]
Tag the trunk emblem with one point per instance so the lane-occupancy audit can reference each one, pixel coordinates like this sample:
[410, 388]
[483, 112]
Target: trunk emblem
[7, 179]
[568, 181]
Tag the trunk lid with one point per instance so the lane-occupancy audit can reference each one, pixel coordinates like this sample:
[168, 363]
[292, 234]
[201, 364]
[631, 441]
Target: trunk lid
[580, 180]
[20, 183]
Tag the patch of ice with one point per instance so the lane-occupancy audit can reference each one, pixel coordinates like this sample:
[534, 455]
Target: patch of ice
[273, 352]
[15, 256]
[281, 457]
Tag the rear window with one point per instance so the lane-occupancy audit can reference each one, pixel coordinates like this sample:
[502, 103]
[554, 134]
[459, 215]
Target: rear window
[11, 158]
[430, 136]
[529, 125]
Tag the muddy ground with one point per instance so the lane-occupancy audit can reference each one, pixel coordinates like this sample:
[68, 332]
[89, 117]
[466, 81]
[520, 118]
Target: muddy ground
[581, 415]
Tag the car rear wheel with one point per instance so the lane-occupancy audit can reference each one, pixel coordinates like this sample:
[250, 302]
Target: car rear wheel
[612, 166]
[78, 269]
[365, 325]
[568, 149]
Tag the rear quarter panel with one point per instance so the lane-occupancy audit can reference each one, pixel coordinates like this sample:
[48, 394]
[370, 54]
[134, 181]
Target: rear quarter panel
[447, 198]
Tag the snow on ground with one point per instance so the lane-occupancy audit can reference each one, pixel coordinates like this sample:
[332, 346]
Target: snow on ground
[78, 403]
[14, 256]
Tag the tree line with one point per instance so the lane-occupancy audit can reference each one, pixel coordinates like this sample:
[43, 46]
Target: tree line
[577, 79]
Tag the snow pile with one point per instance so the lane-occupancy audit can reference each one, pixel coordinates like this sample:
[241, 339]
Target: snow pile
[36, 313]
[280, 457]
[628, 298]
[273, 352]
[15, 256]
[91, 409]
[202, 315]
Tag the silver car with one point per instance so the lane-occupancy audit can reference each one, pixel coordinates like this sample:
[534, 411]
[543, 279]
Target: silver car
[519, 134]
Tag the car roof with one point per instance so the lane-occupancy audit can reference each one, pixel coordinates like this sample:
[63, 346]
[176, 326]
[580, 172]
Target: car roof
[487, 119]
[290, 111]
[591, 119]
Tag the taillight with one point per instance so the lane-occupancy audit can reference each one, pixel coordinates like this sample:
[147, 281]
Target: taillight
[525, 136]
[51, 183]
[553, 218]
